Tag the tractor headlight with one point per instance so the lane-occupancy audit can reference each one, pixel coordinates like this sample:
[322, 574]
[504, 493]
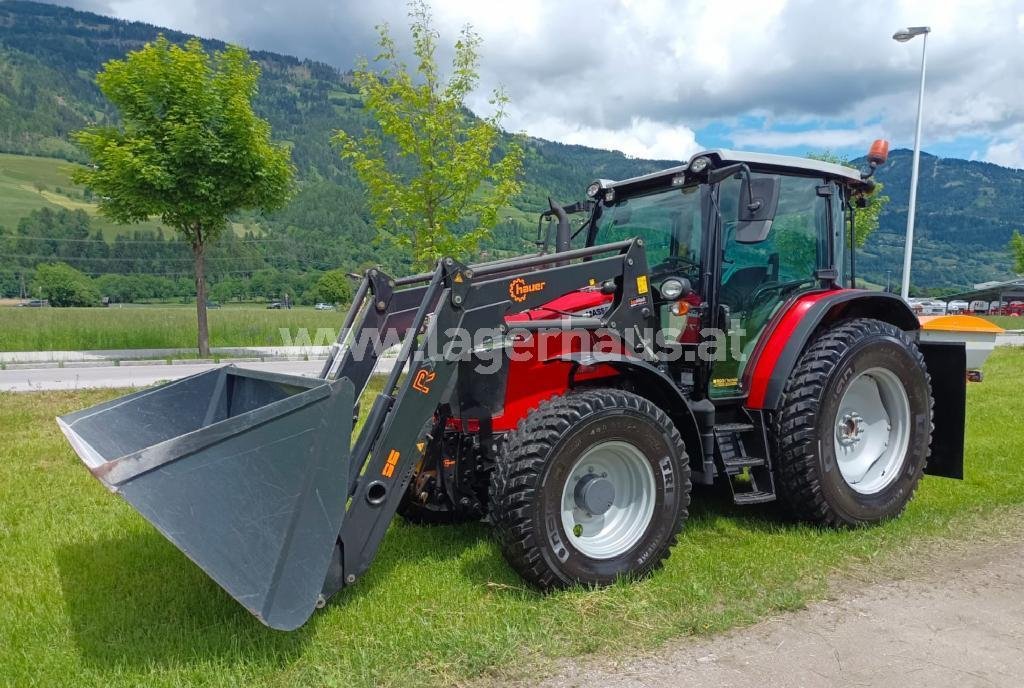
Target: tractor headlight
[699, 164]
[671, 288]
[593, 190]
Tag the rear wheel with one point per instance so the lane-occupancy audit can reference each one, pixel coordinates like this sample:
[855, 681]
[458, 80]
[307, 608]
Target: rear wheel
[854, 429]
[591, 487]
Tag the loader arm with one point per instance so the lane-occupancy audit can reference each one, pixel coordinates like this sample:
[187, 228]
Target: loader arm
[455, 298]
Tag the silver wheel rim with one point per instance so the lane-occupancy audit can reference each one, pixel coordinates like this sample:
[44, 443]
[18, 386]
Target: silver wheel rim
[608, 499]
[872, 431]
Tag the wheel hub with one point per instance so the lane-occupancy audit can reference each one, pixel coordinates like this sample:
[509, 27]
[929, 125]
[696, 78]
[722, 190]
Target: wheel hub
[850, 429]
[608, 499]
[872, 430]
[594, 494]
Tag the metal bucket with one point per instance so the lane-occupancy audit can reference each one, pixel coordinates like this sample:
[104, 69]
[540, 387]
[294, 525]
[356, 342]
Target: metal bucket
[246, 472]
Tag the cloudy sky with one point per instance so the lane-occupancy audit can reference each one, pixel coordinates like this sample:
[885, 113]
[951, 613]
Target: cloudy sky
[665, 78]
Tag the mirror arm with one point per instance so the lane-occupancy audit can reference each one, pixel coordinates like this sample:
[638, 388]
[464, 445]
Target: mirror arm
[715, 176]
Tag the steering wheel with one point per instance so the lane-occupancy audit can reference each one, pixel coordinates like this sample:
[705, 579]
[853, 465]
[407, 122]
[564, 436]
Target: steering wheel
[769, 287]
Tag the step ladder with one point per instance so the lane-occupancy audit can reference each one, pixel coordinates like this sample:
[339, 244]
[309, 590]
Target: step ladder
[740, 451]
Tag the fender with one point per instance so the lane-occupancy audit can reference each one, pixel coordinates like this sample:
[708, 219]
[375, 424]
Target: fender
[654, 385]
[787, 334]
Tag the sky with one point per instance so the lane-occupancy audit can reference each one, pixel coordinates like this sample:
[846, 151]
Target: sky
[666, 78]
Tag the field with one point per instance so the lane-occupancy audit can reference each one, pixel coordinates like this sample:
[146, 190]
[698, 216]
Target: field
[91, 595]
[28, 182]
[1007, 322]
[152, 327]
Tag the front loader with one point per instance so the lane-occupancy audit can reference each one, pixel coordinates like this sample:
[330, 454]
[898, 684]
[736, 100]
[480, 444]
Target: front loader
[698, 332]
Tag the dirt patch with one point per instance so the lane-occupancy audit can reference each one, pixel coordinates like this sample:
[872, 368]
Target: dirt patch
[956, 618]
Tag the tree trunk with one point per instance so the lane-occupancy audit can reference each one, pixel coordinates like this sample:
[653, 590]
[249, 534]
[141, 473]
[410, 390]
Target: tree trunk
[199, 251]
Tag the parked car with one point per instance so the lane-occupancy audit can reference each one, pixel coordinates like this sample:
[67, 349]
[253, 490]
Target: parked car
[275, 305]
[997, 308]
[34, 303]
[1015, 309]
[957, 307]
[324, 307]
[212, 304]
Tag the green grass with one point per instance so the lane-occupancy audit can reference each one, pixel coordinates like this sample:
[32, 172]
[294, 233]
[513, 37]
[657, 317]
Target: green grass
[152, 327]
[1007, 322]
[91, 595]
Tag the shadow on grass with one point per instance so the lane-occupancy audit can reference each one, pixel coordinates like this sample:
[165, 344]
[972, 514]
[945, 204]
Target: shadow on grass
[711, 508]
[137, 601]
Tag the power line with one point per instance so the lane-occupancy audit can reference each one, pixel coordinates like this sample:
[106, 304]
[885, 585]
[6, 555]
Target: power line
[155, 259]
[129, 240]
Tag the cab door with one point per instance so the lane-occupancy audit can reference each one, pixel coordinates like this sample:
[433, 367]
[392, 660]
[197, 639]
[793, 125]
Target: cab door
[757, 278]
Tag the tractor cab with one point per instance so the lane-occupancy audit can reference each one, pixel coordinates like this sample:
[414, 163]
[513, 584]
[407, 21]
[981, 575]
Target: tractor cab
[730, 238]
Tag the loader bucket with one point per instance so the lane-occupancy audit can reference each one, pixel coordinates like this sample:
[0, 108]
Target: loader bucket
[246, 472]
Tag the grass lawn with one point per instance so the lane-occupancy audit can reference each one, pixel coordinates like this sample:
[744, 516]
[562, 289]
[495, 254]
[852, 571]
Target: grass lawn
[1007, 322]
[152, 327]
[91, 595]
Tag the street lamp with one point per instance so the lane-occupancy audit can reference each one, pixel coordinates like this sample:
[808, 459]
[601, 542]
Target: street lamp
[902, 36]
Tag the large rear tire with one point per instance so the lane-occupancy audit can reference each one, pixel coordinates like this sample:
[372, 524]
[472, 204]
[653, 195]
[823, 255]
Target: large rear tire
[591, 487]
[853, 433]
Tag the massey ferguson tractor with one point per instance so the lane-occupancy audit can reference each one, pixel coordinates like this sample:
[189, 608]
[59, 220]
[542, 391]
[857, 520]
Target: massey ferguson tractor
[700, 326]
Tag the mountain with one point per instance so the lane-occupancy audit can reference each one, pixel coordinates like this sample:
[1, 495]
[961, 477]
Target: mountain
[49, 56]
[966, 212]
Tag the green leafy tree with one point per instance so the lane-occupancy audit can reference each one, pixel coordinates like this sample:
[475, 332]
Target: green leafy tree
[865, 219]
[62, 285]
[190, 150]
[432, 167]
[334, 286]
[1017, 249]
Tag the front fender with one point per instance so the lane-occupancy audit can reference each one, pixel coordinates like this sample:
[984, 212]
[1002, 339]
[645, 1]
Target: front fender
[651, 383]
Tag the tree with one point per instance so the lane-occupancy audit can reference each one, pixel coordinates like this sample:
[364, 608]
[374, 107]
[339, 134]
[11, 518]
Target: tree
[865, 219]
[62, 285]
[432, 165]
[1017, 249]
[190, 149]
[334, 286]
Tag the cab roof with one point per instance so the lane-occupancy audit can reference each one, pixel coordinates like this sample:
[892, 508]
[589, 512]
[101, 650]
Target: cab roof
[783, 163]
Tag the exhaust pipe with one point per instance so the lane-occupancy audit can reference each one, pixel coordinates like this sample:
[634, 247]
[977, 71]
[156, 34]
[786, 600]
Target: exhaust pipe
[562, 233]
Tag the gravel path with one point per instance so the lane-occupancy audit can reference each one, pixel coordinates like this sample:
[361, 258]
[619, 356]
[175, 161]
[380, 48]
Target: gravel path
[958, 624]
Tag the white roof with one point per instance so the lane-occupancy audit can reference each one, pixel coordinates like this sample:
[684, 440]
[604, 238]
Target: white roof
[791, 162]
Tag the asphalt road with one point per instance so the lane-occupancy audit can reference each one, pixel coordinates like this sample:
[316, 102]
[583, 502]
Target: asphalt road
[959, 624]
[129, 376]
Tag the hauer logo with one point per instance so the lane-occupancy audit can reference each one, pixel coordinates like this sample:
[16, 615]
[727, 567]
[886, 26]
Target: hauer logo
[519, 289]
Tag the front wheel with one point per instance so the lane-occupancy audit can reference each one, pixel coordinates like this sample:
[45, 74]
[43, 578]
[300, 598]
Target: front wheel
[591, 487]
[854, 429]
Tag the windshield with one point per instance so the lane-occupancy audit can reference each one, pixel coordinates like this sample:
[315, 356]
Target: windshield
[669, 222]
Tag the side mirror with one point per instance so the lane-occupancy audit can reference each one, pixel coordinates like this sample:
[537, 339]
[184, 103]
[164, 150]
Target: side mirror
[758, 203]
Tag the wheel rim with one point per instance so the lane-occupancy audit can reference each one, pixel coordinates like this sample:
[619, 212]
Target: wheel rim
[872, 430]
[608, 499]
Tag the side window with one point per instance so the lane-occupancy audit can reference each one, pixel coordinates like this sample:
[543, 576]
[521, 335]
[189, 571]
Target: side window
[796, 244]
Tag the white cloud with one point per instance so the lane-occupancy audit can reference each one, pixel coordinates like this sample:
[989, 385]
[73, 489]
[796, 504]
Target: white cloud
[1008, 152]
[643, 75]
[812, 139]
[642, 138]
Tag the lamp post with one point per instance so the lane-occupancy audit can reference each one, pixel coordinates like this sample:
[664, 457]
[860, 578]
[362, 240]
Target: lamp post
[902, 36]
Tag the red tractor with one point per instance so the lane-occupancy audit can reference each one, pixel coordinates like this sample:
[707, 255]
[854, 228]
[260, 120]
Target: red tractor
[694, 328]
